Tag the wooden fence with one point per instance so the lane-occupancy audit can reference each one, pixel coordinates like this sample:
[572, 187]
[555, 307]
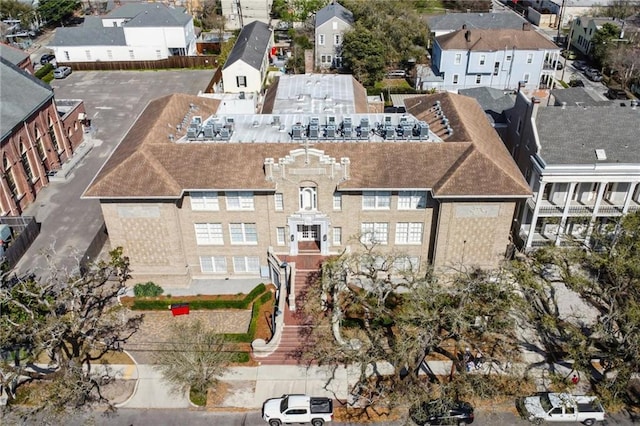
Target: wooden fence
[170, 62]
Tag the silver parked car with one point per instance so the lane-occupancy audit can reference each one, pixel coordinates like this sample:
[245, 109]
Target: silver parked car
[61, 72]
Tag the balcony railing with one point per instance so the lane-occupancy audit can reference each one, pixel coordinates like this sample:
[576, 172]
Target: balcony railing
[607, 208]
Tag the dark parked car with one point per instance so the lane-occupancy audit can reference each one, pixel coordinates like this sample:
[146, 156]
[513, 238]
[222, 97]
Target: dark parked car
[616, 94]
[439, 412]
[576, 83]
[46, 58]
[580, 65]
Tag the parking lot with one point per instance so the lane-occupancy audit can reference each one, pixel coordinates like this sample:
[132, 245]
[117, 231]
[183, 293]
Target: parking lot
[113, 100]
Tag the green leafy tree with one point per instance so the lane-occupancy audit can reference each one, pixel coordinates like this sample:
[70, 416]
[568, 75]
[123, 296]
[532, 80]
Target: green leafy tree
[619, 9]
[57, 11]
[602, 42]
[363, 55]
[13, 9]
[68, 322]
[194, 357]
[606, 275]
[387, 316]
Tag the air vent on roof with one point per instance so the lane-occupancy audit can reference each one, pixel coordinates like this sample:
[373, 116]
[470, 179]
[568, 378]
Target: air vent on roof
[601, 155]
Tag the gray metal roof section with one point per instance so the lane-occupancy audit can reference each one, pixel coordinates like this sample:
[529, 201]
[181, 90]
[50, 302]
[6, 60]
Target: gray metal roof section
[91, 33]
[22, 94]
[315, 93]
[333, 10]
[454, 21]
[576, 96]
[251, 45]
[13, 55]
[151, 15]
[571, 135]
[493, 101]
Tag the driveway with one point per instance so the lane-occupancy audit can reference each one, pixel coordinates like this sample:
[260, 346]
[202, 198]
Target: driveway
[113, 100]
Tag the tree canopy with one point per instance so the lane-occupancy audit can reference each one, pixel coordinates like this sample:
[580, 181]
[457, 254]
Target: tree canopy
[602, 41]
[13, 9]
[54, 330]
[57, 11]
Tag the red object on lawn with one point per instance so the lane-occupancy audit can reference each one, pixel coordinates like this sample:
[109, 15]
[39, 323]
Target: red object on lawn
[180, 309]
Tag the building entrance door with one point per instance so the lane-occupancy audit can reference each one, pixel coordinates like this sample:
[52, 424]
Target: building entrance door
[309, 237]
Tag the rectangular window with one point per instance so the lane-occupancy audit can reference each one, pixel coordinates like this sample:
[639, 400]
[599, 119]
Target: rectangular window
[213, 264]
[478, 78]
[158, 54]
[412, 200]
[239, 200]
[132, 55]
[508, 59]
[205, 201]
[243, 233]
[110, 54]
[249, 264]
[529, 58]
[279, 201]
[483, 59]
[409, 233]
[496, 68]
[209, 233]
[280, 236]
[241, 81]
[455, 79]
[88, 54]
[337, 201]
[376, 200]
[337, 236]
[374, 232]
[525, 78]
[336, 40]
[66, 55]
[458, 59]
[321, 39]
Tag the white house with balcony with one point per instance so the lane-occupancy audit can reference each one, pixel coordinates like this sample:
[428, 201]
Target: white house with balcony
[132, 32]
[498, 58]
[582, 164]
[332, 21]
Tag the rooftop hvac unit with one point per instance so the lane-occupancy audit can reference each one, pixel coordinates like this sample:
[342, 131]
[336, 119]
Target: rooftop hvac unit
[313, 132]
[389, 132]
[225, 134]
[346, 123]
[422, 130]
[331, 131]
[406, 129]
[209, 133]
[315, 121]
[296, 132]
[387, 120]
[192, 133]
[331, 120]
[347, 133]
[364, 122]
[276, 121]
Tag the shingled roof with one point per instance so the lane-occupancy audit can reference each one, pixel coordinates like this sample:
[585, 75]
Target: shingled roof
[251, 45]
[471, 162]
[495, 39]
[333, 10]
[455, 21]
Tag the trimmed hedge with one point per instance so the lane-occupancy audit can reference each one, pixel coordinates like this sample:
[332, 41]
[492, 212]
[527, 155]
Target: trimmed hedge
[42, 72]
[151, 305]
[255, 311]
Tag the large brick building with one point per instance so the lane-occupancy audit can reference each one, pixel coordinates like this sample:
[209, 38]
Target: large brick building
[38, 132]
[191, 193]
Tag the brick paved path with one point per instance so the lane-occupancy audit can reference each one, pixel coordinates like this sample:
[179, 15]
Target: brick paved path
[156, 327]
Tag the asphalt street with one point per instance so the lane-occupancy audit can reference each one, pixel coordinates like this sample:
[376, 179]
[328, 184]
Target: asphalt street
[113, 100]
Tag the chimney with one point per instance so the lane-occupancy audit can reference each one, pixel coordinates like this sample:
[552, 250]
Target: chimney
[467, 36]
[535, 104]
[526, 26]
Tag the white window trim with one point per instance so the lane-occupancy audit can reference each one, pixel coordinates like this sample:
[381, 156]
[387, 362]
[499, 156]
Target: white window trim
[483, 59]
[337, 201]
[381, 200]
[209, 234]
[412, 200]
[455, 79]
[245, 200]
[243, 231]
[281, 236]
[378, 232]
[247, 261]
[337, 236]
[204, 201]
[321, 39]
[214, 260]
[457, 59]
[407, 231]
[278, 199]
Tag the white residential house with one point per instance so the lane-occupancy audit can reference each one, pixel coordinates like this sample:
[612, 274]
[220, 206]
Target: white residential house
[247, 64]
[238, 13]
[498, 58]
[583, 28]
[132, 32]
[582, 163]
[332, 21]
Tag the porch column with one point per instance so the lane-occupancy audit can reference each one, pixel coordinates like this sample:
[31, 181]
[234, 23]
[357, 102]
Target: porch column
[601, 187]
[536, 211]
[293, 237]
[565, 211]
[628, 197]
[324, 237]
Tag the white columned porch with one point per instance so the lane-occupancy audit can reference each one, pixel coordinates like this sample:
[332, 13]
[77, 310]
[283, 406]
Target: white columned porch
[601, 187]
[565, 212]
[536, 212]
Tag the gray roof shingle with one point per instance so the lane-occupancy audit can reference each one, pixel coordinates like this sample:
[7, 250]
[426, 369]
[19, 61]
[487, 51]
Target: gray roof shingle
[91, 33]
[333, 10]
[151, 15]
[21, 95]
[15, 56]
[251, 45]
[571, 135]
[455, 21]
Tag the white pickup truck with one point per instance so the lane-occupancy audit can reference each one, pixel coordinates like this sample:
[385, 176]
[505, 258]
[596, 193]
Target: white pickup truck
[562, 407]
[297, 409]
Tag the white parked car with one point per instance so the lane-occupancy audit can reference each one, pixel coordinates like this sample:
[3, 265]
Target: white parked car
[561, 407]
[61, 72]
[297, 409]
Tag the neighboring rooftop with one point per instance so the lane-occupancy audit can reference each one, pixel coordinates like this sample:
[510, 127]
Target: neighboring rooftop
[333, 10]
[576, 96]
[485, 40]
[12, 55]
[493, 101]
[90, 33]
[571, 135]
[455, 21]
[462, 156]
[150, 15]
[251, 45]
[22, 95]
[315, 93]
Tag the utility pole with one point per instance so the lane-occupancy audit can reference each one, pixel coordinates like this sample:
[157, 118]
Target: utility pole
[560, 18]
